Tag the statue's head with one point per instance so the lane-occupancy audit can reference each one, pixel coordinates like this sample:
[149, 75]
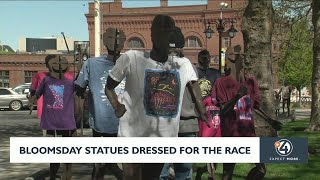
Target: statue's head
[204, 58]
[161, 27]
[114, 39]
[176, 41]
[234, 62]
[56, 64]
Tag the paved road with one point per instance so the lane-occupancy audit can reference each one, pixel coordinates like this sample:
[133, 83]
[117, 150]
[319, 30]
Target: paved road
[16, 124]
[21, 124]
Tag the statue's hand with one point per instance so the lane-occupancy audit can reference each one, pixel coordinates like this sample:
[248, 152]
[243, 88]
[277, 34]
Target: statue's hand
[277, 125]
[242, 91]
[204, 118]
[30, 104]
[121, 109]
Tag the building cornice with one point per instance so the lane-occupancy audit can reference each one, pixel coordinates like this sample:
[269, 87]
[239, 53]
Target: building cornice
[169, 12]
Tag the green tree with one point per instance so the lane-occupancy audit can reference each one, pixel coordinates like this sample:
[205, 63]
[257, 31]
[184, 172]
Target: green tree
[295, 65]
[315, 109]
[6, 52]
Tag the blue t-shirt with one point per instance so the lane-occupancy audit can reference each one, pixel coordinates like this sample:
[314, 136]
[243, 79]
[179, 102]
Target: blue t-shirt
[94, 74]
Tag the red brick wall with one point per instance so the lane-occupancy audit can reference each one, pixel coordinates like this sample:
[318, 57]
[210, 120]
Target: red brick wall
[16, 64]
[136, 22]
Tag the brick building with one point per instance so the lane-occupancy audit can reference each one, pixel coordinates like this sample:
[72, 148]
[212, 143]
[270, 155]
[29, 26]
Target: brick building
[16, 69]
[192, 20]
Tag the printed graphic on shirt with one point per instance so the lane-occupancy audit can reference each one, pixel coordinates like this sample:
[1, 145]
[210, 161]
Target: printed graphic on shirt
[161, 93]
[118, 90]
[244, 108]
[205, 87]
[215, 117]
[103, 84]
[57, 92]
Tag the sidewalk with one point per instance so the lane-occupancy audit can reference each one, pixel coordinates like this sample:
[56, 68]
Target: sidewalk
[80, 171]
[295, 114]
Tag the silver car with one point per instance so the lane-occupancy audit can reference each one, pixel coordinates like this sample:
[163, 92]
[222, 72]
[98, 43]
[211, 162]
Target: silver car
[12, 100]
[22, 89]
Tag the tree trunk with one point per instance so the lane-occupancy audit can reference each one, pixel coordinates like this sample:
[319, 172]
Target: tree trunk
[257, 27]
[315, 111]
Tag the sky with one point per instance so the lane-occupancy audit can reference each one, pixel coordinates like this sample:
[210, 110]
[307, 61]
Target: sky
[43, 18]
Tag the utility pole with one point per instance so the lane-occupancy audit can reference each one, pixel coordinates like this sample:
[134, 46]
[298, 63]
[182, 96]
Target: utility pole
[97, 30]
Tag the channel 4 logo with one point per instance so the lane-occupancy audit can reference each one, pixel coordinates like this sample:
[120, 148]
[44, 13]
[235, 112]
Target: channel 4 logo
[283, 150]
[283, 147]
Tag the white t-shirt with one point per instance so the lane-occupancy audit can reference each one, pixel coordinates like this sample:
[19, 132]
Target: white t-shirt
[153, 93]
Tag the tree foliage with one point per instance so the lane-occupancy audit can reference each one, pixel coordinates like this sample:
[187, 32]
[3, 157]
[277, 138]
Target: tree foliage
[289, 12]
[6, 52]
[295, 64]
[286, 14]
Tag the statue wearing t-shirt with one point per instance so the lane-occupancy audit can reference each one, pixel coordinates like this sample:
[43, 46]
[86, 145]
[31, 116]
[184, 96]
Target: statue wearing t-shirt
[237, 95]
[286, 96]
[57, 118]
[204, 71]
[155, 83]
[93, 75]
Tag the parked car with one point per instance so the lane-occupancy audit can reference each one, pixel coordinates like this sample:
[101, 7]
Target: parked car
[22, 89]
[12, 100]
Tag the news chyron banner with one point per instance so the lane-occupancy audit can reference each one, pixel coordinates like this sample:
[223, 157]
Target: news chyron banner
[158, 150]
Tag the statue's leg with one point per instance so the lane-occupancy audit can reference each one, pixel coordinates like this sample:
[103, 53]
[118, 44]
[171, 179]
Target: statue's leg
[258, 172]
[67, 167]
[67, 171]
[151, 171]
[228, 171]
[98, 171]
[54, 167]
[115, 170]
[132, 171]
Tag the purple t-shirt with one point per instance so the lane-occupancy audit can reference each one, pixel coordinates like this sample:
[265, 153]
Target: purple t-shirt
[58, 104]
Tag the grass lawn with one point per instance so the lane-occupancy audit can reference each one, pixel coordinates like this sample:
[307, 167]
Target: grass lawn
[308, 171]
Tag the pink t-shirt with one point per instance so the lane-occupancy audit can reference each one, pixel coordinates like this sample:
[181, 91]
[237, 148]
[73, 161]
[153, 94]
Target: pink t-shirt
[36, 81]
[213, 118]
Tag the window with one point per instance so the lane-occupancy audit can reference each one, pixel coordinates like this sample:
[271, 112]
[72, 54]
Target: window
[4, 78]
[28, 76]
[135, 42]
[226, 42]
[4, 92]
[193, 41]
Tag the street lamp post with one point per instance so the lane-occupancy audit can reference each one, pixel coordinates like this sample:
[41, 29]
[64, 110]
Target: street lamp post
[220, 24]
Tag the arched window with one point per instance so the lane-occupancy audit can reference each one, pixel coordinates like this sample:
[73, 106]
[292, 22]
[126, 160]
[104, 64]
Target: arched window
[135, 42]
[193, 41]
